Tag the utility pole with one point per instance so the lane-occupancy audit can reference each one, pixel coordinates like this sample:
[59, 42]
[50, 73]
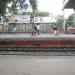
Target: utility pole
[63, 13]
[74, 18]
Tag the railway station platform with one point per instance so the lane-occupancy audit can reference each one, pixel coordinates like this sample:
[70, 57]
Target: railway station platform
[43, 44]
[42, 40]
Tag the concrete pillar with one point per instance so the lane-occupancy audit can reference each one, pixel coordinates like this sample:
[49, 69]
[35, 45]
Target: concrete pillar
[63, 20]
[74, 18]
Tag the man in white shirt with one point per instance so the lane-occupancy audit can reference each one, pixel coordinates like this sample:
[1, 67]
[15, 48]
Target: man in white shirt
[14, 29]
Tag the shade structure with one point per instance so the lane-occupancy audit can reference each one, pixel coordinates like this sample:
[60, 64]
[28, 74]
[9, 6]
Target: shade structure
[70, 4]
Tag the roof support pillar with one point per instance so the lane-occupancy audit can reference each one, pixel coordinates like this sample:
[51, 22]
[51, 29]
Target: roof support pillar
[63, 20]
[74, 18]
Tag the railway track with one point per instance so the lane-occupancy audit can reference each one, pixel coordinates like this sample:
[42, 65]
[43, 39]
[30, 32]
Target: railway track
[37, 50]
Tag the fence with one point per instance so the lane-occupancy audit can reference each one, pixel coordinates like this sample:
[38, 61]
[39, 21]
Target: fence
[25, 28]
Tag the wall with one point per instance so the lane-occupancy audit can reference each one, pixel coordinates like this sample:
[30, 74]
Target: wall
[21, 28]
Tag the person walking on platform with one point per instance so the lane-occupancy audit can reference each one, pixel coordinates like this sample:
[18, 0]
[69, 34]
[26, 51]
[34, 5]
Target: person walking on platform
[14, 30]
[55, 30]
[38, 29]
[34, 29]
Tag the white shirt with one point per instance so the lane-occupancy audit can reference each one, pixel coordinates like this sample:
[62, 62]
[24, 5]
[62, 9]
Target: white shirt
[14, 30]
[38, 26]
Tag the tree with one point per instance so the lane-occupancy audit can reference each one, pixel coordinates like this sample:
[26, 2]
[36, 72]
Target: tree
[43, 14]
[13, 8]
[69, 20]
[34, 9]
[22, 5]
[33, 4]
[59, 21]
[3, 4]
[18, 6]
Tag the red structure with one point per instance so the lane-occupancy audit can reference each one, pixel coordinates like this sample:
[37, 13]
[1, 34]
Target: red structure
[38, 43]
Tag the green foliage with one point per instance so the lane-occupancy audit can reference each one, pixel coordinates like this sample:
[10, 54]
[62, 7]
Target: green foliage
[2, 7]
[3, 4]
[13, 8]
[69, 21]
[22, 5]
[59, 21]
[43, 14]
[28, 13]
[33, 4]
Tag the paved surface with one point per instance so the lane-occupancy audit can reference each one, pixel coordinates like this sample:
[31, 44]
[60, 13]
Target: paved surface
[41, 36]
[23, 35]
[37, 65]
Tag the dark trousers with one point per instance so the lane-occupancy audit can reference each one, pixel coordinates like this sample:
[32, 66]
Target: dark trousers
[33, 32]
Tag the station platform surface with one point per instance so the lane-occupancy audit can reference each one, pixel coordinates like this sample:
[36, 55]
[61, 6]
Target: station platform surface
[27, 36]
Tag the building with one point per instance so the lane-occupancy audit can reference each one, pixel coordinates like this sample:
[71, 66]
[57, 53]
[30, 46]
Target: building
[69, 4]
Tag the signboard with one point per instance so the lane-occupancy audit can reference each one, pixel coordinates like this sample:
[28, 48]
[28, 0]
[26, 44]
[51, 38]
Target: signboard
[19, 19]
[44, 20]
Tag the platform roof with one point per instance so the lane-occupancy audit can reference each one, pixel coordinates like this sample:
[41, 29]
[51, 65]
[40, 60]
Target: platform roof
[70, 4]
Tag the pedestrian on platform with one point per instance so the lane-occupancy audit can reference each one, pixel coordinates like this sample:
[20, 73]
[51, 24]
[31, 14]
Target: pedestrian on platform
[34, 29]
[14, 30]
[38, 28]
[55, 30]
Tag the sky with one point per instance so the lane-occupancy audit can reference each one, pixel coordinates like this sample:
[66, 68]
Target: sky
[54, 7]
